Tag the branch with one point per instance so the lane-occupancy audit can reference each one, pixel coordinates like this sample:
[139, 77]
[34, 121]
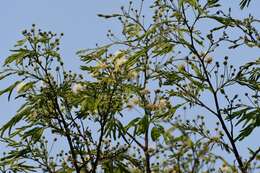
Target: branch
[252, 157]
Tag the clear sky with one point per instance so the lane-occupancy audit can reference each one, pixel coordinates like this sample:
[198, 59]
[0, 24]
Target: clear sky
[78, 20]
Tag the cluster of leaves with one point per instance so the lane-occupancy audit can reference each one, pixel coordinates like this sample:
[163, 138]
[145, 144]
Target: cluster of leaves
[123, 116]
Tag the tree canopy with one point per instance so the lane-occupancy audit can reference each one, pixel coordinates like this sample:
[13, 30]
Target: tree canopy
[143, 101]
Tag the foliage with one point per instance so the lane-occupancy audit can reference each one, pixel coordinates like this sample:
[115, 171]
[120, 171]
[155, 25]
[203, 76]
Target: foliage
[244, 3]
[127, 113]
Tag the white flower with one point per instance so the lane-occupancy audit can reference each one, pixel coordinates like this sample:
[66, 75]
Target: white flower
[151, 150]
[130, 105]
[224, 168]
[87, 157]
[152, 106]
[34, 114]
[132, 74]
[121, 147]
[106, 141]
[162, 103]
[76, 88]
[145, 91]
[43, 84]
[208, 59]
[89, 166]
[102, 65]
[120, 61]
[20, 86]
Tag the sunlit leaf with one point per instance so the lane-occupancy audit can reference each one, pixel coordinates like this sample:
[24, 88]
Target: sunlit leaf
[156, 132]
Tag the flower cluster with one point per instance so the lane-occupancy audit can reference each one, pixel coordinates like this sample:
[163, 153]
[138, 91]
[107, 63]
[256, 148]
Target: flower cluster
[161, 104]
[76, 88]
[120, 59]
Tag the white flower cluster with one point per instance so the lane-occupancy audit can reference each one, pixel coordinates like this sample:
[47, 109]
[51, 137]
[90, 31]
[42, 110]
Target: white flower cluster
[161, 104]
[76, 88]
[132, 103]
[225, 169]
[132, 74]
[43, 84]
[206, 57]
[120, 59]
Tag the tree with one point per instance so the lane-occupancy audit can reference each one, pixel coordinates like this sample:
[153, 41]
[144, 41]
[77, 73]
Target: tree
[129, 115]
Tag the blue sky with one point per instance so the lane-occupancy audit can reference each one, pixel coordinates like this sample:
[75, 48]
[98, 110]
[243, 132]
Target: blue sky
[78, 20]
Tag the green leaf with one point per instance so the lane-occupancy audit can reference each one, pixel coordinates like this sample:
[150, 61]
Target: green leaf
[35, 133]
[156, 132]
[133, 59]
[90, 55]
[20, 42]
[15, 57]
[17, 118]
[16, 154]
[197, 71]
[53, 53]
[163, 48]
[193, 3]
[142, 125]
[245, 132]
[9, 89]
[213, 3]
[26, 87]
[223, 20]
[250, 117]
[132, 123]
[244, 3]
[65, 170]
